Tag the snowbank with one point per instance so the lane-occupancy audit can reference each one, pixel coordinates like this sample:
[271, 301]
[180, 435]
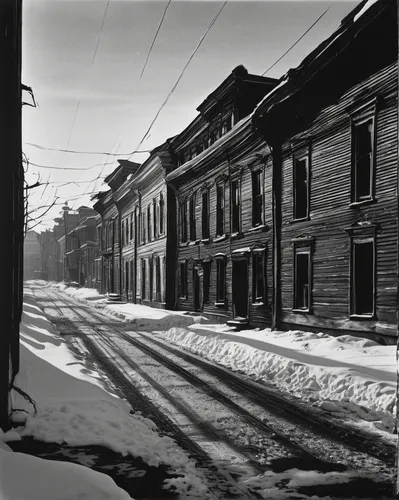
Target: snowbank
[74, 408]
[342, 374]
[137, 315]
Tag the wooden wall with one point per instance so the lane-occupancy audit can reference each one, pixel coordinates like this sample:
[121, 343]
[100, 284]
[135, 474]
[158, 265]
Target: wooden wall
[331, 213]
[259, 314]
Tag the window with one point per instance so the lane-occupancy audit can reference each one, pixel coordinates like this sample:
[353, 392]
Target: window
[143, 279]
[183, 279]
[226, 125]
[123, 233]
[131, 226]
[301, 187]
[193, 232]
[302, 278]
[219, 210]
[149, 223]
[206, 266]
[183, 221]
[363, 277]
[154, 217]
[127, 230]
[157, 279]
[257, 198]
[220, 281]
[143, 227]
[258, 276]
[363, 160]
[235, 207]
[205, 214]
[161, 214]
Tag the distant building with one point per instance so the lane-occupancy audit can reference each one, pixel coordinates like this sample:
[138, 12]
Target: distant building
[32, 256]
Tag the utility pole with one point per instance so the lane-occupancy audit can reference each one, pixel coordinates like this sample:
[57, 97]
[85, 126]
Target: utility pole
[11, 198]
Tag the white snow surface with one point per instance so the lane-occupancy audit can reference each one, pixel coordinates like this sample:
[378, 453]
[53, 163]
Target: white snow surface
[137, 315]
[74, 407]
[344, 374]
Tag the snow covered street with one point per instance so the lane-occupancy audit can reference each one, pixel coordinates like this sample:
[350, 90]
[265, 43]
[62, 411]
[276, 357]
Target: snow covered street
[246, 438]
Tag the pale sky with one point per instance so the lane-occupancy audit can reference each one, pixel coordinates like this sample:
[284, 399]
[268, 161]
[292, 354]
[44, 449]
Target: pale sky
[103, 106]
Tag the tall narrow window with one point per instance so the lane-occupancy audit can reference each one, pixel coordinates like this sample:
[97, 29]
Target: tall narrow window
[149, 232]
[363, 145]
[257, 198]
[301, 188]
[302, 278]
[235, 207]
[157, 279]
[220, 210]
[193, 232]
[206, 266]
[362, 279]
[143, 279]
[183, 279]
[131, 226]
[258, 277]
[205, 214]
[143, 227]
[123, 233]
[183, 221]
[220, 281]
[127, 230]
[154, 218]
[161, 214]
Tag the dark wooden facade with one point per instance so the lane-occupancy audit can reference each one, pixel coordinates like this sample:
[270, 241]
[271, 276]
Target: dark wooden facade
[11, 200]
[223, 185]
[332, 126]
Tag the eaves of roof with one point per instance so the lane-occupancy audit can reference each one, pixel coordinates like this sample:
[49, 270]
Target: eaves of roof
[330, 48]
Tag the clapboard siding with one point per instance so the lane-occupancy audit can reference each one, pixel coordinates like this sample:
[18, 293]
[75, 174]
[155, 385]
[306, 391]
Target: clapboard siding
[224, 172]
[329, 142]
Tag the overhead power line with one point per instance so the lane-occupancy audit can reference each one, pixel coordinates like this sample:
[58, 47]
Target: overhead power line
[154, 39]
[101, 31]
[299, 39]
[43, 148]
[64, 168]
[180, 77]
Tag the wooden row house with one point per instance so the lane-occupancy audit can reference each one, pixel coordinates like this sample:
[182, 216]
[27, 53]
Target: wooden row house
[140, 268]
[332, 126]
[108, 229]
[223, 189]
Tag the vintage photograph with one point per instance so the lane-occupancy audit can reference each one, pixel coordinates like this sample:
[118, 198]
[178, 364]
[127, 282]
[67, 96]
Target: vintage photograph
[200, 284]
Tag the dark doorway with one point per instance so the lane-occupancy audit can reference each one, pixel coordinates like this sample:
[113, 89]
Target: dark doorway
[196, 289]
[240, 288]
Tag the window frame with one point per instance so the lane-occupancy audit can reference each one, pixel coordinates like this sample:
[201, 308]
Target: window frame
[161, 204]
[220, 210]
[149, 229]
[205, 210]
[154, 219]
[303, 246]
[298, 157]
[359, 239]
[183, 279]
[358, 118]
[234, 206]
[256, 254]
[221, 264]
[259, 173]
[183, 222]
[192, 221]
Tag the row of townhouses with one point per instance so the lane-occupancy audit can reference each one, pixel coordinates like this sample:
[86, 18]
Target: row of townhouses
[277, 205]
